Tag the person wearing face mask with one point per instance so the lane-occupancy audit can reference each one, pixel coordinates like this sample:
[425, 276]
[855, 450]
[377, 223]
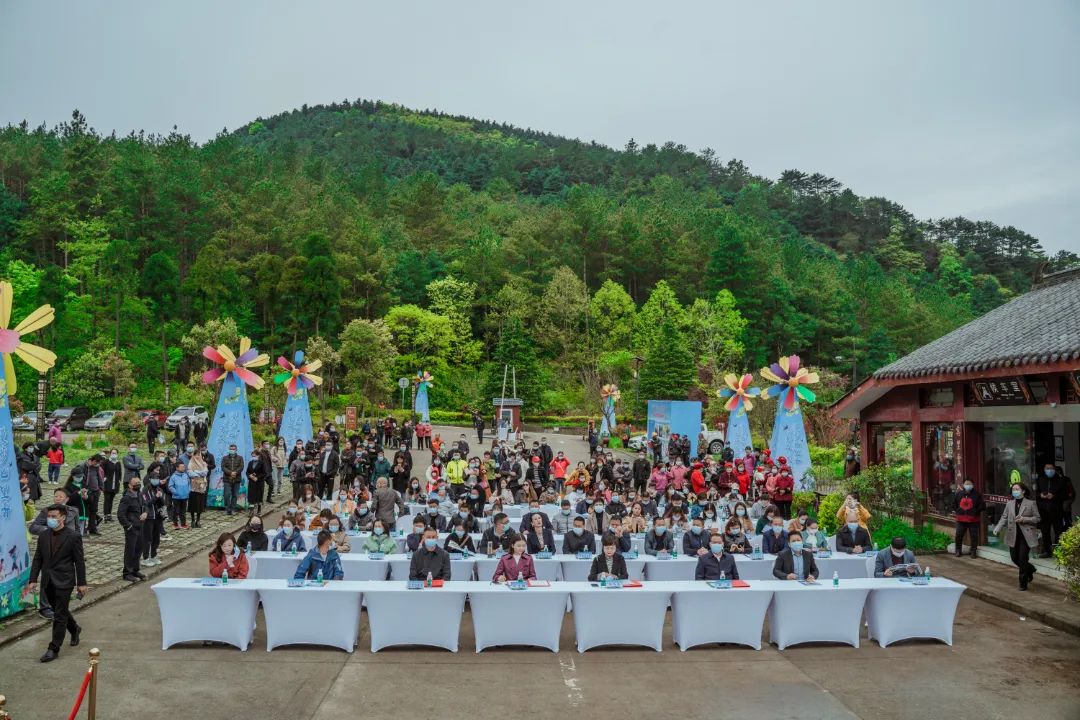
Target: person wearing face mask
[379, 541]
[968, 506]
[1050, 494]
[131, 515]
[852, 538]
[343, 505]
[475, 501]
[498, 536]
[609, 564]
[896, 554]
[252, 538]
[58, 561]
[715, 560]
[199, 472]
[563, 520]
[112, 472]
[1020, 521]
[225, 557]
[852, 466]
[597, 518]
[322, 520]
[783, 491]
[465, 517]
[795, 562]
[579, 539]
[459, 539]
[675, 511]
[742, 517]
[515, 564]
[775, 538]
[415, 539]
[735, 539]
[362, 519]
[696, 542]
[766, 519]
[132, 463]
[328, 464]
[435, 519]
[851, 502]
[814, 538]
[658, 539]
[430, 559]
[288, 538]
[615, 530]
[322, 558]
[414, 493]
[180, 488]
[232, 470]
[635, 523]
[579, 478]
[679, 475]
[712, 518]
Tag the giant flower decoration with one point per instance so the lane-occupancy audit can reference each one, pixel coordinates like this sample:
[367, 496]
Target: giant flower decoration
[791, 381]
[424, 379]
[298, 375]
[238, 365]
[11, 340]
[610, 392]
[738, 392]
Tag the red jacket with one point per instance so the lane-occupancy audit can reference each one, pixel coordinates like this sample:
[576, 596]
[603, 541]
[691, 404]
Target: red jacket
[558, 467]
[697, 481]
[510, 568]
[238, 571]
[744, 483]
[784, 486]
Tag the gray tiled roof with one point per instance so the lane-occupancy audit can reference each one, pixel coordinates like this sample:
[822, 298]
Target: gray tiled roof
[1040, 326]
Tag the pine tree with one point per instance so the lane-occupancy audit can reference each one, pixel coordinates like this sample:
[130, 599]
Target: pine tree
[668, 371]
[518, 351]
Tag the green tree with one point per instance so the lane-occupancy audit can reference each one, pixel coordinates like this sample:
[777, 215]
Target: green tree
[611, 313]
[661, 307]
[716, 332]
[96, 374]
[668, 372]
[368, 352]
[516, 352]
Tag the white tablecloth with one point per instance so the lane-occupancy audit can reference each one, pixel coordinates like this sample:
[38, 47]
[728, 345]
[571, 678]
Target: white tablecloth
[817, 613]
[502, 616]
[701, 614]
[460, 570]
[902, 610]
[849, 567]
[432, 616]
[628, 616]
[327, 615]
[574, 570]
[275, 566]
[678, 568]
[190, 611]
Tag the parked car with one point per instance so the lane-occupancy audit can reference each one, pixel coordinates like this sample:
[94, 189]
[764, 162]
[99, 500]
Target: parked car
[711, 439]
[193, 413]
[70, 418]
[25, 422]
[639, 442]
[102, 420]
[145, 415]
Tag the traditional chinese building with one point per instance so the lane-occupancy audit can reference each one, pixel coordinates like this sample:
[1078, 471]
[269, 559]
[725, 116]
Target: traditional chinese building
[992, 400]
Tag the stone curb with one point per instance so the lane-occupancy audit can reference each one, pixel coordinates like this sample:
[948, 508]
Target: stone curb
[19, 628]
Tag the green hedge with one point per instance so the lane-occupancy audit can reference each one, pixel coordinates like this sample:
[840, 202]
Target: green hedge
[1067, 554]
[920, 540]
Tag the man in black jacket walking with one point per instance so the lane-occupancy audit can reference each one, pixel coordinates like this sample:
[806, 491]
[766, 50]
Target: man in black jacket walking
[132, 514]
[58, 561]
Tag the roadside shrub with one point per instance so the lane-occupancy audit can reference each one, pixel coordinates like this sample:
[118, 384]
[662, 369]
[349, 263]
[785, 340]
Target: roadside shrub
[827, 511]
[804, 500]
[1067, 554]
[919, 540]
[885, 491]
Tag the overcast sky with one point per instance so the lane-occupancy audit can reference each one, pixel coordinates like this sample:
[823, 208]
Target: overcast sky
[950, 108]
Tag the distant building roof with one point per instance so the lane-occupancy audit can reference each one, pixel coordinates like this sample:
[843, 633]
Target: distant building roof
[1041, 326]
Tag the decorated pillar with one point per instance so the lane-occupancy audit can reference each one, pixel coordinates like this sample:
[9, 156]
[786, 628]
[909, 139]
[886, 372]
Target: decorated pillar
[789, 431]
[297, 378]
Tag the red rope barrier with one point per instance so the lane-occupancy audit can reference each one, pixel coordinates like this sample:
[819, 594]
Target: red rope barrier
[82, 693]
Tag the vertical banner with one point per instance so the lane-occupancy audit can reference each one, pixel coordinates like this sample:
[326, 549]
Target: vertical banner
[789, 440]
[232, 425]
[738, 431]
[14, 551]
[423, 381]
[350, 419]
[296, 422]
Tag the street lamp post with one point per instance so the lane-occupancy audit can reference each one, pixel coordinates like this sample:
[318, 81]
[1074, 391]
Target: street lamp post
[42, 391]
[854, 361]
[637, 379]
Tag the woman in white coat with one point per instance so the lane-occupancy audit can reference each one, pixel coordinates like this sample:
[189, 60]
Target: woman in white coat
[1021, 523]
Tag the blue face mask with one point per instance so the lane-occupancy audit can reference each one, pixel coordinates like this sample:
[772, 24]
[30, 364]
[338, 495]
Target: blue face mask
[1018, 494]
[695, 529]
[1050, 473]
[53, 523]
[716, 548]
[661, 530]
[579, 530]
[566, 512]
[378, 531]
[796, 547]
[853, 527]
[430, 543]
[460, 532]
[287, 531]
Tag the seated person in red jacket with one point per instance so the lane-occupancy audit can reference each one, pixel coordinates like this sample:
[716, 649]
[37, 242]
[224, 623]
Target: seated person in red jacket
[516, 563]
[222, 558]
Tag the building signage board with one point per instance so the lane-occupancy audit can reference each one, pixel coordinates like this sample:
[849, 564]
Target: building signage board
[1002, 391]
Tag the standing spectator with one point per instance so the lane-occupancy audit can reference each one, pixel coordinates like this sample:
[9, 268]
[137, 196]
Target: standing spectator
[151, 432]
[1020, 520]
[133, 464]
[55, 434]
[328, 468]
[783, 493]
[968, 507]
[131, 515]
[58, 561]
[385, 501]
[180, 489]
[852, 466]
[478, 424]
[55, 456]
[257, 475]
[593, 437]
[1050, 491]
[279, 460]
[1067, 501]
[199, 473]
[232, 465]
[111, 471]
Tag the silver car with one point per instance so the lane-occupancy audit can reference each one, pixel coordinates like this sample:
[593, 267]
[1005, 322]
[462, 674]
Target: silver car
[102, 420]
[193, 413]
[25, 422]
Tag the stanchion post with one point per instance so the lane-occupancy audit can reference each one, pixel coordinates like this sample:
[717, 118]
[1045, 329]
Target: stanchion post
[3, 709]
[91, 710]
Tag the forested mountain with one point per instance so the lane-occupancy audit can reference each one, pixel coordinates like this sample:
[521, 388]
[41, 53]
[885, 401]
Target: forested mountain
[414, 240]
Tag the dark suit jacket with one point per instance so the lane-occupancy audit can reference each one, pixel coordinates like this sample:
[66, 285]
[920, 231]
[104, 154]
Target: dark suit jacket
[63, 570]
[846, 543]
[599, 565]
[131, 507]
[785, 564]
[332, 466]
[573, 544]
[709, 567]
[533, 543]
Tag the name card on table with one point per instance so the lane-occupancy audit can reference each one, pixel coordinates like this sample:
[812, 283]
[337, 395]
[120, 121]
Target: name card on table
[632, 555]
[824, 554]
[724, 584]
[457, 556]
[517, 584]
[663, 556]
[538, 583]
[583, 556]
[756, 553]
[376, 556]
[612, 583]
[809, 582]
[414, 585]
[210, 581]
[544, 555]
[295, 583]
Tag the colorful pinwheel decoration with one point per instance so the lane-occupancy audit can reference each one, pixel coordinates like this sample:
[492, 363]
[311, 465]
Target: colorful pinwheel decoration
[610, 392]
[738, 392]
[11, 340]
[791, 381]
[238, 365]
[423, 380]
[298, 375]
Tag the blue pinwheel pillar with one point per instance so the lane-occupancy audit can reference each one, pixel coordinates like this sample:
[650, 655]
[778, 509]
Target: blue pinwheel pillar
[231, 425]
[608, 412]
[296, 422]
[420, 407]
[738, 430]
[14, 552]
[789, 440]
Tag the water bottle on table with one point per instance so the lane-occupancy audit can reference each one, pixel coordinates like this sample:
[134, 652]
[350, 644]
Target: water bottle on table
[224, 577]
[430, 582]
[835, 579]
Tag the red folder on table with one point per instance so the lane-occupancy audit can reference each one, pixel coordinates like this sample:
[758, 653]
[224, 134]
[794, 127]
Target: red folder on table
[437, 583]
[631, 583]
[739, 583]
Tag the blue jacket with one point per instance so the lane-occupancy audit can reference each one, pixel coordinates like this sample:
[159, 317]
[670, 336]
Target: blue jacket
[772, 543]
[313, 562]
[180, 485]
[285, 544]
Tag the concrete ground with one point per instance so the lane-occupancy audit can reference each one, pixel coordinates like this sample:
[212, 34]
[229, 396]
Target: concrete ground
[1001, 666]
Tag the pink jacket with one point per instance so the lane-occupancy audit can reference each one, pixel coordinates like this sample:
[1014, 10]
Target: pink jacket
[510, 567]
[678, 476]
[659, 479]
